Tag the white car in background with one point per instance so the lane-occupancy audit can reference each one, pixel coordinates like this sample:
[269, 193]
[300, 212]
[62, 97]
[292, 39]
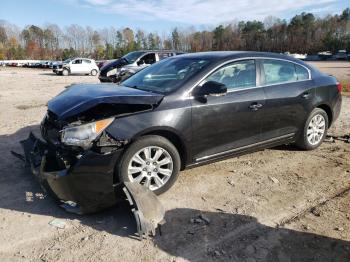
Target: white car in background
[84, 66]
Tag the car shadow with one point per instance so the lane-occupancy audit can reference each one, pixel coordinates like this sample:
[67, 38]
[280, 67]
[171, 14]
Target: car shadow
[232, 237]
[188, 233]
[290, 147]
[49, 74]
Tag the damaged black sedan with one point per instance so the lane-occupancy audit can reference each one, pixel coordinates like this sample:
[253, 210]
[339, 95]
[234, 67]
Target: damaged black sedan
[181, 112]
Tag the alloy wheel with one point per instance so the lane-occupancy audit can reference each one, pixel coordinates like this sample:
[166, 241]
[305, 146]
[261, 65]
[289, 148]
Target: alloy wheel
[151, 166]
[316, 129]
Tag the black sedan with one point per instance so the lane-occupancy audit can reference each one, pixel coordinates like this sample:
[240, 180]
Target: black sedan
[182, 112]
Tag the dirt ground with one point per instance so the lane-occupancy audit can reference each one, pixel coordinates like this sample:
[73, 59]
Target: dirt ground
[279, 204]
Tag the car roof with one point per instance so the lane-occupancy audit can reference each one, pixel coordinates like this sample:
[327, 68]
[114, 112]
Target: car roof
[230, 55]
[82, 58]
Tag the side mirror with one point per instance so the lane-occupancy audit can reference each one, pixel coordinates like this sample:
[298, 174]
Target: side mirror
[211, 88]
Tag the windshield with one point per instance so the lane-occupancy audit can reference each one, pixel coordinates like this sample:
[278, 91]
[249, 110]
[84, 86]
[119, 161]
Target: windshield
[132, 57]
[67, 61]
[167, 75]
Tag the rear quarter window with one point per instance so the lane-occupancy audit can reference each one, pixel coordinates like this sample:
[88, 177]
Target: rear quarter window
[302, 73]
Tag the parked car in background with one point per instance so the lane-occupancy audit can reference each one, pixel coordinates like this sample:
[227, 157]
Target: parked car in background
[129, 64]
[341, 55]
[325, 55]
[77, 66]
[160, 121]
[297, 56]
[102, 63]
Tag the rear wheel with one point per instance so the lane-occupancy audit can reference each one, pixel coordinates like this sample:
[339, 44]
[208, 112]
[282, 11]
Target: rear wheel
[152, 161]
[315, 130]
[93, 72]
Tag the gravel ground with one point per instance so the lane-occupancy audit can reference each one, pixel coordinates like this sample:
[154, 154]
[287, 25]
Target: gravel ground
[278, 204]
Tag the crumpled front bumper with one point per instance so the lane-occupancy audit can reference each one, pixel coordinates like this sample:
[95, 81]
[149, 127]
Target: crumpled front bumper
[88, 185]
[83, 187]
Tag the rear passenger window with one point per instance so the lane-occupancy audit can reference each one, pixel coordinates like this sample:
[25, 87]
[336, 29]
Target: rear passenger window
[240, 74]
[302, 73]
[277, 72]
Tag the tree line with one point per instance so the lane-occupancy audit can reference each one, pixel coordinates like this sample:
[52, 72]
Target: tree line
[304, 33]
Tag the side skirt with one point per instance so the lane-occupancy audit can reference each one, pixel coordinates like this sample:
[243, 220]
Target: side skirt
[281, 140]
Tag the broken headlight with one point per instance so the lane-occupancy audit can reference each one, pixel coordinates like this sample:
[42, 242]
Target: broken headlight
[83, 135]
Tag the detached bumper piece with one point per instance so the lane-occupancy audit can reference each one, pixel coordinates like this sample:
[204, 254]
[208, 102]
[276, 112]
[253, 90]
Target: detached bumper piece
[147, 209]
[86, 184]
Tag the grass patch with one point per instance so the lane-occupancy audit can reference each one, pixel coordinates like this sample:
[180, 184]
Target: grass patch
[345, 84]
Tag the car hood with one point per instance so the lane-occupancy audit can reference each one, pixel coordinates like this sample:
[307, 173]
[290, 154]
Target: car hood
[114, 64]
[82, 97]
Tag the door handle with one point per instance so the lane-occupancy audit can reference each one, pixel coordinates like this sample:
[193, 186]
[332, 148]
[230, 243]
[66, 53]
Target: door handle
[255, 106]
[305, 95]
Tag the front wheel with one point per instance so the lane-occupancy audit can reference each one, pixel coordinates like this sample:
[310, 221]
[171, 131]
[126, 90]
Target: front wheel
[152, 161]
[315, 130]
[93, 72]
[65, 72]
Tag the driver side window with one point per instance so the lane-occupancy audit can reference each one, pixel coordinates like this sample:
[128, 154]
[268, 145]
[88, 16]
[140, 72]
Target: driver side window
[240, 74]
[149, 58]
[77, 61]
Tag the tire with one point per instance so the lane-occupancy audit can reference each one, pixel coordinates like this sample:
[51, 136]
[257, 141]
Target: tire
[65, 72]
[93, 72]
[305, 141]
[145, 169]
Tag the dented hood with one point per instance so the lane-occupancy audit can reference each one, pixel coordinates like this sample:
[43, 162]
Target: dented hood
[81, 97]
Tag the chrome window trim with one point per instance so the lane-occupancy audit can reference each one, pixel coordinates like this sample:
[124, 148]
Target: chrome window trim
[189, 91]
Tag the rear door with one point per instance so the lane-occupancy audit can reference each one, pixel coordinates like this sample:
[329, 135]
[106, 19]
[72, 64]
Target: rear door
[224, 124]
[288, 88]
[86, 66]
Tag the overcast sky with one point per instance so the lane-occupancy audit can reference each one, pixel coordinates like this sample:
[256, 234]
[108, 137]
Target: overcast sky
[160, 15]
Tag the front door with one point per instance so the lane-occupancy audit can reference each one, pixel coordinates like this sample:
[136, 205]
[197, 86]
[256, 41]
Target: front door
[76, 66]
[230, 122]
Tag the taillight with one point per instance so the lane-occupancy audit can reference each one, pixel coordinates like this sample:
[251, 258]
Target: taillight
[339, 87]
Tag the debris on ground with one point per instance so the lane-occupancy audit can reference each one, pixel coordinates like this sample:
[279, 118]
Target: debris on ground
[339, 228]
[58, 223]
[200, 220]
[85, 238]
[230, 182]
[332, 138]
[329, 139]
[315, 211]
[273, 179]
[205, 219]
[306, 227]
[146, 207]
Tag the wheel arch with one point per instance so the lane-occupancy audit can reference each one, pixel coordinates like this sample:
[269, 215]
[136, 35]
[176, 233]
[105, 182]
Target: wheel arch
[329, 112]
[174, 138]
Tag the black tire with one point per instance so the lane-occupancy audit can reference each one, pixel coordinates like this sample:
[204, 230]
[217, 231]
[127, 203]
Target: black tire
[93, 72]
[146, 141]
[303, 141]
[65, 72]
